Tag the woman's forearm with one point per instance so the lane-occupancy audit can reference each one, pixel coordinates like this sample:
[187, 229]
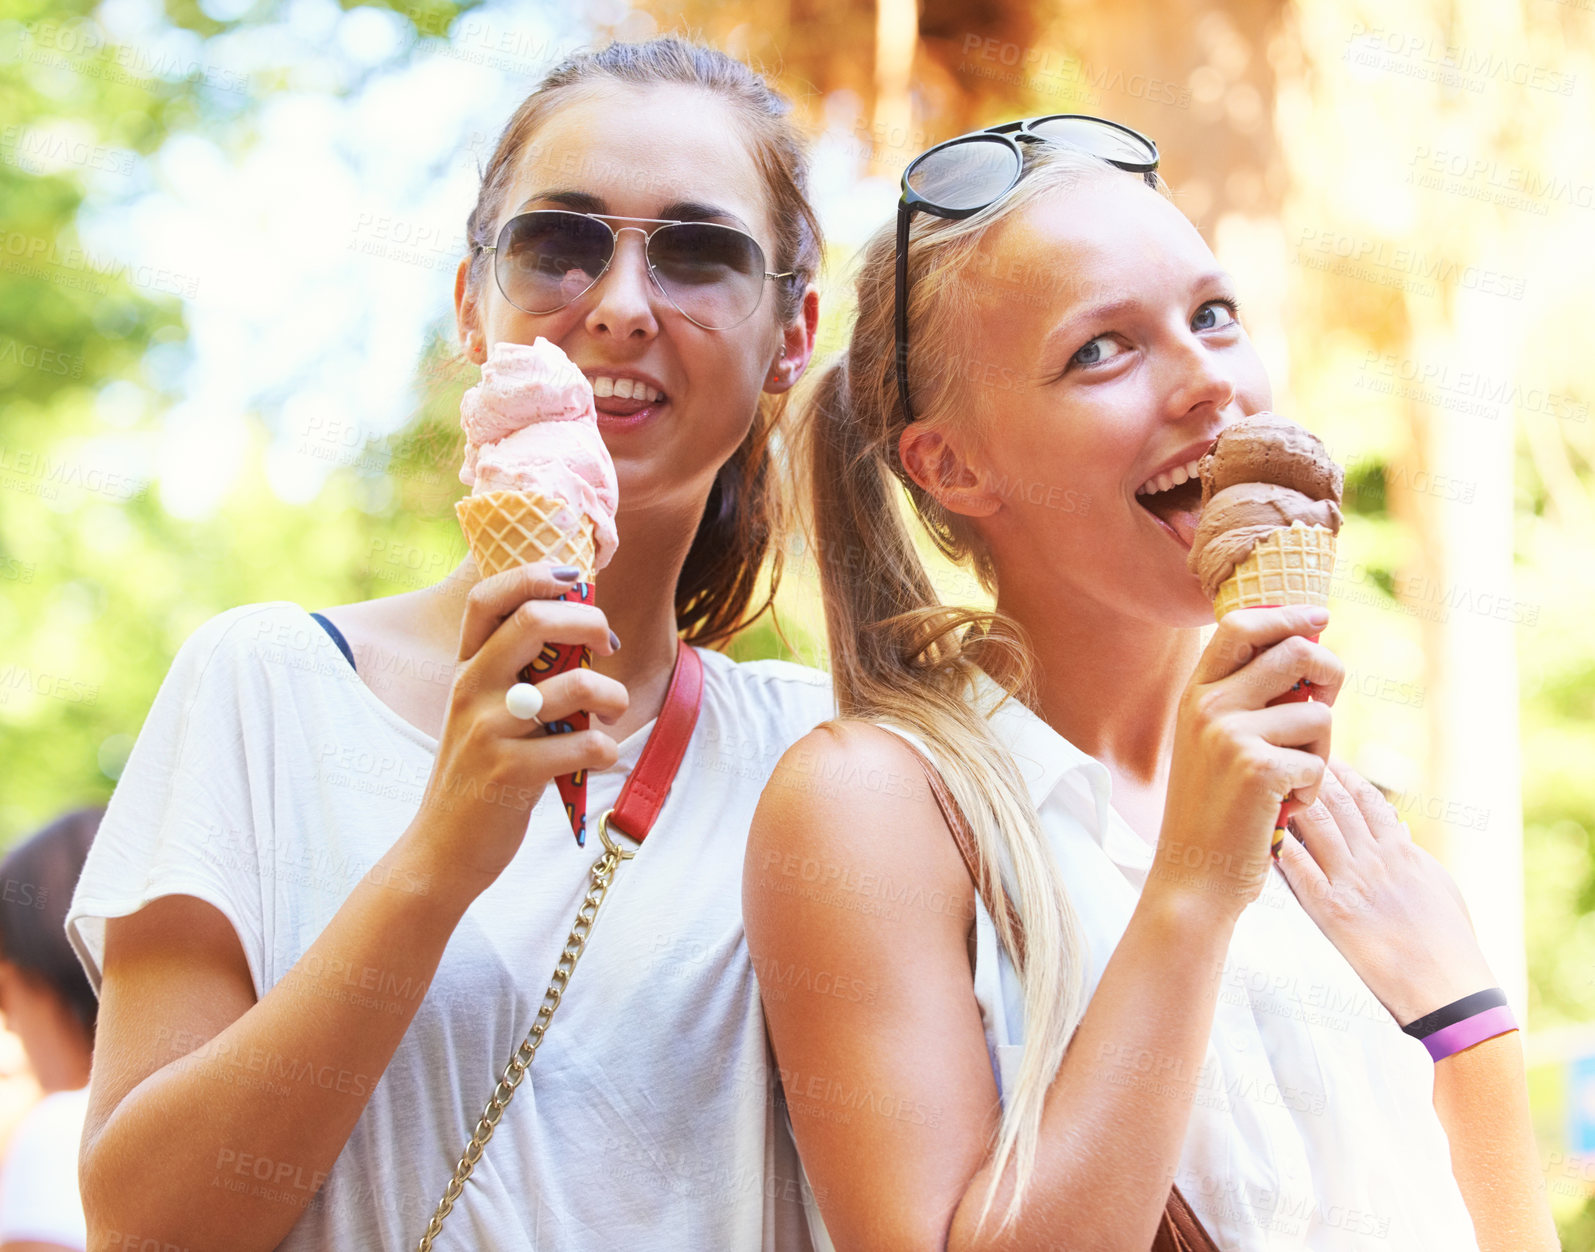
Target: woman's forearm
[226, 1145]
[1482, 1099]
[1117, 1112]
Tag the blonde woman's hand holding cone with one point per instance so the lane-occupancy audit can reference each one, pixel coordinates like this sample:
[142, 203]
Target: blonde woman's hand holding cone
[1235, 757]
[492, 767]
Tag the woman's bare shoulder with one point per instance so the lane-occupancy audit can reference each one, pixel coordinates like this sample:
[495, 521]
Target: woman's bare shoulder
[852, 798]
[858, 913]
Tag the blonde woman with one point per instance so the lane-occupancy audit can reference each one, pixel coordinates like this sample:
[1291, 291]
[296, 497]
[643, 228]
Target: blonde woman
[1166, 1026]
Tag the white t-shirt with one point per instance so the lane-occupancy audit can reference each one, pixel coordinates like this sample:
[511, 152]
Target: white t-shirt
[268, 779]
[39, 1189]
[1313, 1125]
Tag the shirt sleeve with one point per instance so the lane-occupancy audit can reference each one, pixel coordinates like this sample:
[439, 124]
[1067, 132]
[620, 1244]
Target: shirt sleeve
[39, 1200]
[182, 820]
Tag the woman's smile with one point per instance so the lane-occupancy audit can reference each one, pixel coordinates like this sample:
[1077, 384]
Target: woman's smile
[625, 399]
[1134, 367]
[1175, 511]
[1173, 496]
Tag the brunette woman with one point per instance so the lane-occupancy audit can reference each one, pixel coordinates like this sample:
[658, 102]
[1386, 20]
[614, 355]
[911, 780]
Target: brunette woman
[322, 915]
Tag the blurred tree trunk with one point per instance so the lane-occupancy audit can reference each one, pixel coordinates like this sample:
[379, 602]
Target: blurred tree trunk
[1473, 776]
[896, 39]
[1462, 583]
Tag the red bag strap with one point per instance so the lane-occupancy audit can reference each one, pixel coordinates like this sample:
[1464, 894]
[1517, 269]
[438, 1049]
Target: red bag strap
[644, 793]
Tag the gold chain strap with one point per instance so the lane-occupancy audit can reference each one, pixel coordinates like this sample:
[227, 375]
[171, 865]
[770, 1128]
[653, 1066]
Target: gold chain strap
[603, 874]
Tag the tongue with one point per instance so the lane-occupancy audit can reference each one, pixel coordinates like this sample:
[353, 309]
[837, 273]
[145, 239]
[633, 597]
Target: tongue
[1180, 507]
[1183, 522]
[619, 406]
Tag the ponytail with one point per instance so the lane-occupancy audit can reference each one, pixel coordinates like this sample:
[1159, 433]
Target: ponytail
[899, 655]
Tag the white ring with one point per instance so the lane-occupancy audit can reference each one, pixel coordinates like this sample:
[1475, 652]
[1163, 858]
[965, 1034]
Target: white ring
[524, 701]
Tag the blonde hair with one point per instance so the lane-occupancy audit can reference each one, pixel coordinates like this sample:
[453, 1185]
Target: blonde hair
[898, 654]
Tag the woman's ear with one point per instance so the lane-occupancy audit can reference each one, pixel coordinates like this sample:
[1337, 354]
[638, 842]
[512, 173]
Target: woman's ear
[939, 465]
[465, 316]
[797, 345]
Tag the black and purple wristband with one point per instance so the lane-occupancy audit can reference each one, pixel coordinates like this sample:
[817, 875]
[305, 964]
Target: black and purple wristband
[1463, 1023]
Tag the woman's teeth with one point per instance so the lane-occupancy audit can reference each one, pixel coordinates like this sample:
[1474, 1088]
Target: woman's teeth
[1170, 478]
[625, 388]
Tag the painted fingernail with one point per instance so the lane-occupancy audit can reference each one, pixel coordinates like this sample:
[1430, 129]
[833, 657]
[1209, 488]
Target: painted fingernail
[614, 642]
[566, 573]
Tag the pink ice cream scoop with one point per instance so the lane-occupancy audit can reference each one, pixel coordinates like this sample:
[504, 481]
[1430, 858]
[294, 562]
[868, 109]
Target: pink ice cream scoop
[530, 426]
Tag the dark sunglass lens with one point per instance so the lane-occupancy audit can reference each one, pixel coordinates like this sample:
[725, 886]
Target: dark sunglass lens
[967, 175]
[714, 274]
[549, 257]
[1108, 142]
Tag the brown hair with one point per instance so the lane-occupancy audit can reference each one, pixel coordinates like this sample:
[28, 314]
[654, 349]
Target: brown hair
[38, 877]
[744, 518]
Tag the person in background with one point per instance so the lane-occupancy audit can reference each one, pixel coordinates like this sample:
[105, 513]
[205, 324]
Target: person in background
[47, 1002]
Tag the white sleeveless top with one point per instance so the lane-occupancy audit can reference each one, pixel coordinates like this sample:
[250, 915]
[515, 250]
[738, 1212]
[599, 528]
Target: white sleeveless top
[268, 779]
[1313, 1126]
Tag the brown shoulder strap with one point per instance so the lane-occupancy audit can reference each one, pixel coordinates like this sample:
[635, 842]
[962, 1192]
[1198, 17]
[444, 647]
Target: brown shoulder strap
[1180, 1230]
[964, 838]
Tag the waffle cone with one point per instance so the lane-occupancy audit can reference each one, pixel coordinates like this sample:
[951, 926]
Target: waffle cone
[509, 528]
[1291, 565]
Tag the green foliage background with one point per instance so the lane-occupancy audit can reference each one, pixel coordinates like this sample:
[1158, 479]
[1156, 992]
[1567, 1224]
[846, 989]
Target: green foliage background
[101, 586]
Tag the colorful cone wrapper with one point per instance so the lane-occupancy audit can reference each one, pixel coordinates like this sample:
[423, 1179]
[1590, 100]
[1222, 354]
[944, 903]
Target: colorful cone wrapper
[557, 658]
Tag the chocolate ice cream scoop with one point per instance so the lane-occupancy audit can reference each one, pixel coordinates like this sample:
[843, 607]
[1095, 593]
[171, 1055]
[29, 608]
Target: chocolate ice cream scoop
[1237, 517]
[1261, 474]
[1268, 448]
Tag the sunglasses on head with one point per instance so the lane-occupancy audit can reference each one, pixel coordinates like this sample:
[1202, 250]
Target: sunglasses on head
[713, 274]
[962, 176]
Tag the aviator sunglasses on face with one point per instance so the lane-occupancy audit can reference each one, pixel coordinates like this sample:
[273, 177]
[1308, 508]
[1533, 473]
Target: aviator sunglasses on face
[958, 178]
[713, 274]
